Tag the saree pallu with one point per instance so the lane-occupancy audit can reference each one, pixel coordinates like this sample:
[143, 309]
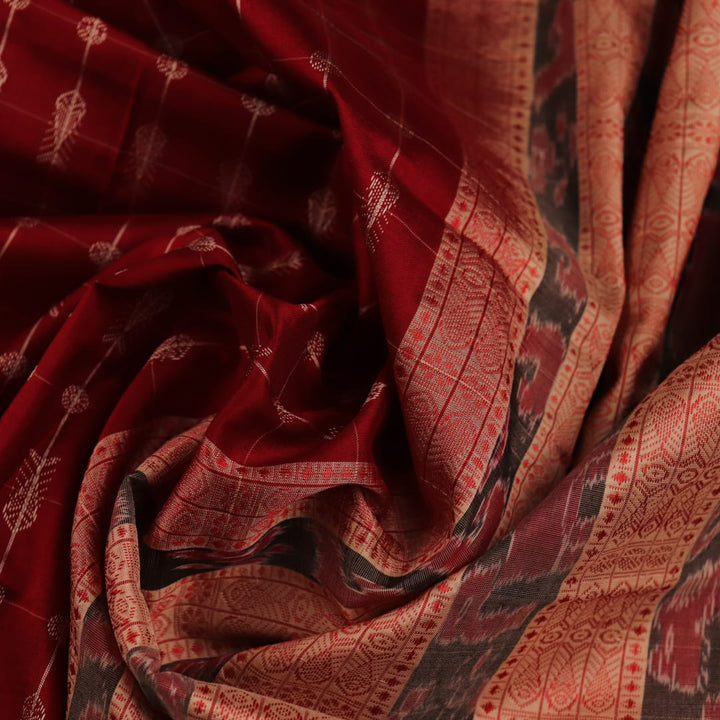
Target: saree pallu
[358, 359]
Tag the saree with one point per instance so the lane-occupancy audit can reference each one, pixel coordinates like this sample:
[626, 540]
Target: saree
[359, 359]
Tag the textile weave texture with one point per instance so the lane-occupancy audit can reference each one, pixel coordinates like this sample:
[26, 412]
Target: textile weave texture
[359, 359]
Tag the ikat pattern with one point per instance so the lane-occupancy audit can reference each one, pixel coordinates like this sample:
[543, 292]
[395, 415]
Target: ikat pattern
[678, 171]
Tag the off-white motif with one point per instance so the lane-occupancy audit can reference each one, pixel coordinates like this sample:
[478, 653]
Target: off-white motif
[286, 417]
[332, 432]
[103, 253]
[57, 627]
[31, 480]
[380, 200]
[174, 348]
[375, 391]
[92, 30]
[293, 261]
[171, 67]
[255, 353]
[33, 708]
[70, 109]
[70, 106]
[21, 509]
[321, 211]
[280, 266]
[13, 365]
[203, 244]
[235, 178]
[231, 221]
[322, 63]
[75, 399]
[256, 106]
[15, 5]
[149, 141]
[315, 349]
[179, 233]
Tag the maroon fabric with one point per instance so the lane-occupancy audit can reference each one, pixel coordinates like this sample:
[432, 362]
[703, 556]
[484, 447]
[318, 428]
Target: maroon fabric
[304, 310]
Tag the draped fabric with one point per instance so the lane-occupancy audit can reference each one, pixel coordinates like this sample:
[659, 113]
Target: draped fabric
[358, 359]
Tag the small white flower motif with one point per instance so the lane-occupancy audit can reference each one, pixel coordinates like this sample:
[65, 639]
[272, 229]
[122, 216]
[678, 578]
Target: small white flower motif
[57, 627]
[171, 67]
[17, 4]
[203, 244]
[315, 349]
[2, 594]
[13, 365]
[381, 197]
[54, 311]
[33, 708]
[103, 253]
[321, 62]
[307, 307]
[256, 106]
[3, 73]
[92, 30]
[75, 399]
[174, 348]
[231, 221]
